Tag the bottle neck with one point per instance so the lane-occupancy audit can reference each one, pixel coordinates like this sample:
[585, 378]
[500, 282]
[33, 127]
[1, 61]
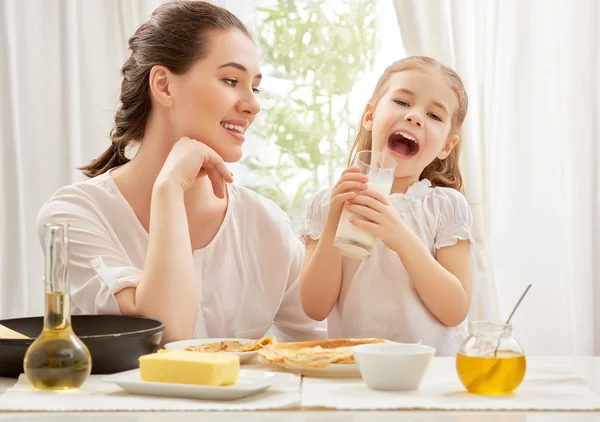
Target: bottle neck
[56, 278]
[58, 311]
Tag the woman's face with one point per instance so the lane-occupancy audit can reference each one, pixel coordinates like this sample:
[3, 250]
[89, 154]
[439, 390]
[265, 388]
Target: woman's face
[215, 101]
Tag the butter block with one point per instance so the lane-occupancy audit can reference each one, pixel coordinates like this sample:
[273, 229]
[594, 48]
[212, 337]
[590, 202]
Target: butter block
[190, 368]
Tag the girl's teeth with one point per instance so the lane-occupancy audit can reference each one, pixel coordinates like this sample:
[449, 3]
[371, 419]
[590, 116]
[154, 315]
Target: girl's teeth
[407, 136]
[237, 128]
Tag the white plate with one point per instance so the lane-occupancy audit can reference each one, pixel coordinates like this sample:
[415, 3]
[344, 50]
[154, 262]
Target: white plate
[245, 357]
[335, 370]
[250, 382]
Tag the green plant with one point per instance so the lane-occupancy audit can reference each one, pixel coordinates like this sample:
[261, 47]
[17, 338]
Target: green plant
[318, 50]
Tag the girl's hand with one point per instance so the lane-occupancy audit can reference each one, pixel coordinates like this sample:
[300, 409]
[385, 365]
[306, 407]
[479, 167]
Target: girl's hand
[351, 182]
[190, 159]
[381, 219]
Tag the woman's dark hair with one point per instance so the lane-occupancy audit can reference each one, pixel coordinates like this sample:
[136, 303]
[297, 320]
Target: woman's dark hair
[177, 34]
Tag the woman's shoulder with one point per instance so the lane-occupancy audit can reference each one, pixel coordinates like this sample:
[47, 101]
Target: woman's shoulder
[84, 192]
[81, 200]
[253, 207]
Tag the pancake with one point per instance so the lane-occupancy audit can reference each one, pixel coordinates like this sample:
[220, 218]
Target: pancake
[313, 354]
[230, 346]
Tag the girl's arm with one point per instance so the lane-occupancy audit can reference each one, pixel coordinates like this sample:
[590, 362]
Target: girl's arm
[444, 282]
[321, 276]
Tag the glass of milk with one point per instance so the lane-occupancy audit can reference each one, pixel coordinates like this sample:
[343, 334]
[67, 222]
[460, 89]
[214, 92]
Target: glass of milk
[349, 239]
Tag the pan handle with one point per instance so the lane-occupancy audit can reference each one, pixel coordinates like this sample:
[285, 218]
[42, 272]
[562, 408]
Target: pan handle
[16, 342]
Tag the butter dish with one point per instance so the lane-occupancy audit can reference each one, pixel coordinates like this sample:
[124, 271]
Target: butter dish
[250, 382]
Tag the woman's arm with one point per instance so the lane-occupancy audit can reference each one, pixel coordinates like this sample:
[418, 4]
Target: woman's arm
[167, 289]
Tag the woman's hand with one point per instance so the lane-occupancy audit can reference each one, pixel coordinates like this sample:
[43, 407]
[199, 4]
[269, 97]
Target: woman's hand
[190, 159]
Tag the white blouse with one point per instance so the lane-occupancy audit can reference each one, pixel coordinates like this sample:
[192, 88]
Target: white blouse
[377, 298]
[248, 274]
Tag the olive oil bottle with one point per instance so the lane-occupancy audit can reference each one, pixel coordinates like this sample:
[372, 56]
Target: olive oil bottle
[57, 359]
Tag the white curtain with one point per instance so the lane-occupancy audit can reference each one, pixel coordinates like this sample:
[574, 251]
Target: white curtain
[59, 79]
[59, 89]
[531, 157]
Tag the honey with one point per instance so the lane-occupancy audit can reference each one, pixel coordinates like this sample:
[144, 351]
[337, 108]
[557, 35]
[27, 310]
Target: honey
[498, 374]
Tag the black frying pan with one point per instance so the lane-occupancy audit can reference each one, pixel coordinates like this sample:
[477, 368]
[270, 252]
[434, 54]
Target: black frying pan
[114, 341]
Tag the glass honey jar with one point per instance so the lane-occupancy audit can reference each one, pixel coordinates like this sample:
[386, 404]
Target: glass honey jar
[490, 361]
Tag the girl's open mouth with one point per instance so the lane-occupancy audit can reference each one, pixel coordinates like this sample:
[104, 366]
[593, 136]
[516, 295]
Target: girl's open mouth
[403, 144]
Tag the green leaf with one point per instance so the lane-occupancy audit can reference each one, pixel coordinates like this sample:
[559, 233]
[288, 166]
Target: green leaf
[304, 124]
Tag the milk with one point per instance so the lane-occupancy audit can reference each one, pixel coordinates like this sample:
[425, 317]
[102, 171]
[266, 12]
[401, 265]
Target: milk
[351, 240]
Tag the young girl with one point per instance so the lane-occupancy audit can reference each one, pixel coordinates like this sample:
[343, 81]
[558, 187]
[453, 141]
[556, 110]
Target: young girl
[417, 282]
[167, 235]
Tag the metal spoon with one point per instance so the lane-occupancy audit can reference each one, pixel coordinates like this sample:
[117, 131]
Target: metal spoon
[511, 314]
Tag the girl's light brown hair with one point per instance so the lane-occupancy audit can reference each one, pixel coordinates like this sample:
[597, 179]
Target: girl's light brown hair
[445, 173]
[177, 34]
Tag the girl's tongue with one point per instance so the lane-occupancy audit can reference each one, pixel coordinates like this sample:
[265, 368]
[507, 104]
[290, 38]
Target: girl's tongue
[402, 145]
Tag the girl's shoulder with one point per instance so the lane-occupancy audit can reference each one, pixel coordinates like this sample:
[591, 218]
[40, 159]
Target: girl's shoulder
[440, 205]
[448, 197]
[452, 212]
[317, 204]
[317, 207]
[422, 193]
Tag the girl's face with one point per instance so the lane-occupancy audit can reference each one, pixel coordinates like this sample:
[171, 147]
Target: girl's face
[412, 120]
[215, 101]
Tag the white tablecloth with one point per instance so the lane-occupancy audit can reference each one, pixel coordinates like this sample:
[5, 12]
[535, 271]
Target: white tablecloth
[98, 395]
[550, 384]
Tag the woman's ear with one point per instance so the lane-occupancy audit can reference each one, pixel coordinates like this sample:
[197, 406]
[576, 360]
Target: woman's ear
[159, 86]
[368, 117]
[447, 149]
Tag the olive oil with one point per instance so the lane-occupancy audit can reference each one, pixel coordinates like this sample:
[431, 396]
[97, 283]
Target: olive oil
[57, 359]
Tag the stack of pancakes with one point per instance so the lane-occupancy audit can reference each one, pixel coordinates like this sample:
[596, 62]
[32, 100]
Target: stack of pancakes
[313, 354]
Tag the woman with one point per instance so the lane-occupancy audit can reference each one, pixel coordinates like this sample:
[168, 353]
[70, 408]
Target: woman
[166, 235]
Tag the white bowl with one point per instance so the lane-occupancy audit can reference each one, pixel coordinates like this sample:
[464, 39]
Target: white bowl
[393, 366]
